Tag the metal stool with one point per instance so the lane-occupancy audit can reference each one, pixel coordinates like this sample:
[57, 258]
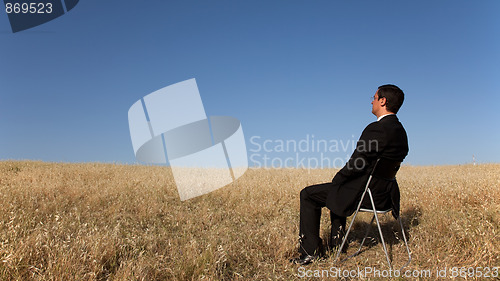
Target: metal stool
[385, 169]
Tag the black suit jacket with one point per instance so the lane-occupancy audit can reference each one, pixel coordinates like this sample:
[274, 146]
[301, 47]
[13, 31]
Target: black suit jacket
[384, 138]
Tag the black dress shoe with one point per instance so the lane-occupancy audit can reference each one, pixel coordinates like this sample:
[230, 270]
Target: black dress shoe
[304, 259]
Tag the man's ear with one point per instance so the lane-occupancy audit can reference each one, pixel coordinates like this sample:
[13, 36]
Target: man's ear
[383, 101]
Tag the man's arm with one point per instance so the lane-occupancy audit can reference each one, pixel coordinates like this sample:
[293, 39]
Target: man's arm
[368, 148]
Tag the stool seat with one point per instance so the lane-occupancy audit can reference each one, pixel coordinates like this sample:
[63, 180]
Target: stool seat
[378, 211]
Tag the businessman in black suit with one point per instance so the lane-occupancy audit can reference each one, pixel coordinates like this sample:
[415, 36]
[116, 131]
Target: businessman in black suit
[384, 138]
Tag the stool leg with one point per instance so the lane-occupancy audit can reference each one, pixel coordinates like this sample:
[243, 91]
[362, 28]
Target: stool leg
[354, 217]
[346, 234]
[383, 242]
[364, 238]
[406, 243]
[379, 229]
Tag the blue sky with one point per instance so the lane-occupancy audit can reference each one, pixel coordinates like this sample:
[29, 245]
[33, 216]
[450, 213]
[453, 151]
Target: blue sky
[285, 69]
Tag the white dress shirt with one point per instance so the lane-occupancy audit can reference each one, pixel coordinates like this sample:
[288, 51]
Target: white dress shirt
[380, 118]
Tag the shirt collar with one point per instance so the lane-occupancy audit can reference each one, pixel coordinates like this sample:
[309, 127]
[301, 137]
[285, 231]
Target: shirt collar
[380, 118]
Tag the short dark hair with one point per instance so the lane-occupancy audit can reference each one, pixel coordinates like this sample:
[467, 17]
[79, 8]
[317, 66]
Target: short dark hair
[394, 97]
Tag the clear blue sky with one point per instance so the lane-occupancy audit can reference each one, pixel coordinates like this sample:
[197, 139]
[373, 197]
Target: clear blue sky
[285, 69]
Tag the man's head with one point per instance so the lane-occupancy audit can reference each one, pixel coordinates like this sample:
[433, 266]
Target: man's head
[388, 99]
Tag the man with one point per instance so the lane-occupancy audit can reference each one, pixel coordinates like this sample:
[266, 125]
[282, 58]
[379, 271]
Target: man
[384, 138]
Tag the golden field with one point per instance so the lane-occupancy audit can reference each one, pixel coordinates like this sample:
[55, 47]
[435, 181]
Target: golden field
[125, 222]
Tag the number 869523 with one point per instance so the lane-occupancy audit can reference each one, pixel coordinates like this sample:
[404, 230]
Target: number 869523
[28, 8]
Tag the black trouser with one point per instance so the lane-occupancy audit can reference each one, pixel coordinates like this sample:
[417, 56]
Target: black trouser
[312, 199]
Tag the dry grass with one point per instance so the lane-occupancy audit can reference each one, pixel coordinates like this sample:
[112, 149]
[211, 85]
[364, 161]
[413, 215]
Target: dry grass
[117, 222]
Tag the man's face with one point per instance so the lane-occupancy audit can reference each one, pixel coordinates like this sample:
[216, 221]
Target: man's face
[377, 104]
